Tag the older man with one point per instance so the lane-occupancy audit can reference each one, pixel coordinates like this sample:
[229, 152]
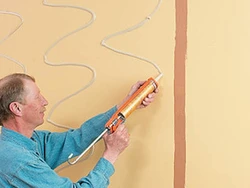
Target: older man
[28, 157]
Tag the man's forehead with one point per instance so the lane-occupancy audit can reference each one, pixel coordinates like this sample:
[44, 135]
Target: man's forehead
[31, 86]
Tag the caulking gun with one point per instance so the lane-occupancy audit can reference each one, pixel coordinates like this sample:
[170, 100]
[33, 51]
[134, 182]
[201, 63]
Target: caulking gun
[124, 111]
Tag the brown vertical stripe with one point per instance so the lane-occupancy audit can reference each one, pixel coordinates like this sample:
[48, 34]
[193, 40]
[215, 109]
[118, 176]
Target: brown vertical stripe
[179, 94]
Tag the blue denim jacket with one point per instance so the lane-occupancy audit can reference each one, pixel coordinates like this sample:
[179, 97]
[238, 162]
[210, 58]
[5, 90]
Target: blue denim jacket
[29, 162]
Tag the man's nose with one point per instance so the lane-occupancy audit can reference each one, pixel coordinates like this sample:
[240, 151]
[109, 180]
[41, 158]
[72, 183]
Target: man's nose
[45, 102]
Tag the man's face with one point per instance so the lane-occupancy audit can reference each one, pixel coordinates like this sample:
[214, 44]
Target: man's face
[34, 107]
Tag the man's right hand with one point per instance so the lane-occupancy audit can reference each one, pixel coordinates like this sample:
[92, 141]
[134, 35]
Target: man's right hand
[115, 143]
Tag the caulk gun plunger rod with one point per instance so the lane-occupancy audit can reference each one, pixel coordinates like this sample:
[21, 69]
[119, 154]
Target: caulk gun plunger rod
[92, 144]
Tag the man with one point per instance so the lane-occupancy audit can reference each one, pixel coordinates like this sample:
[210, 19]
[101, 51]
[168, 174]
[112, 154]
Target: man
[28, 157]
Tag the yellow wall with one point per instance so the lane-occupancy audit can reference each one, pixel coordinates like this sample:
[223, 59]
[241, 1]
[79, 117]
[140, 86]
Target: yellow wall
[148, 162]
[218, 94]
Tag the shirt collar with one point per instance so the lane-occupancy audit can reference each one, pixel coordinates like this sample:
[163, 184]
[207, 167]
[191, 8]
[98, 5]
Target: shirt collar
[17, 138]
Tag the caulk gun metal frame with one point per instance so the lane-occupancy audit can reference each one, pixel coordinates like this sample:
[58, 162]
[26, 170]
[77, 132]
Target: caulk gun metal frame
[124, 111]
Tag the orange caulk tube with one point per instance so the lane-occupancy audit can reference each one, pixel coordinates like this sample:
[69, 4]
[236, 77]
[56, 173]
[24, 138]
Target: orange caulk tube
[132, 103]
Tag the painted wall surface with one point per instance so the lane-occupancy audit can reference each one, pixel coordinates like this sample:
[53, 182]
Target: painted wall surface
[217, 97]
[148, 162]
[216, 114]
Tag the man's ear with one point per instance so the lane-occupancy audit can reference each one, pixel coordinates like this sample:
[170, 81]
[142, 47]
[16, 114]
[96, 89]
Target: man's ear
[15, 108]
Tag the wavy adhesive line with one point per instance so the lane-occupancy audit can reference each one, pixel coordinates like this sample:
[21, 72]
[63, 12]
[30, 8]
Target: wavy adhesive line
[9, 35]
[93, 71]
[68, 63]
[134, 27]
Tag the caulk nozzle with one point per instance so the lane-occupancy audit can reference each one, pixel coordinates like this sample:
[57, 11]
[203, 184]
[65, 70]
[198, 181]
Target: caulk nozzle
[158, 77]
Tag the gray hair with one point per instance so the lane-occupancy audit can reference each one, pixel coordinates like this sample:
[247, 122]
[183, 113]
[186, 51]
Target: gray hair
[11, 90]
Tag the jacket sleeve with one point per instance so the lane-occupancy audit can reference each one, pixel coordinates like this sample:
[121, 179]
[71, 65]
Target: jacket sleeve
[55, 148]
[37, 174]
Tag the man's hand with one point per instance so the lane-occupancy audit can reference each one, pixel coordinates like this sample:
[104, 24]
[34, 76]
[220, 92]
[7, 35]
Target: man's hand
[149, 99]
[115, 143]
